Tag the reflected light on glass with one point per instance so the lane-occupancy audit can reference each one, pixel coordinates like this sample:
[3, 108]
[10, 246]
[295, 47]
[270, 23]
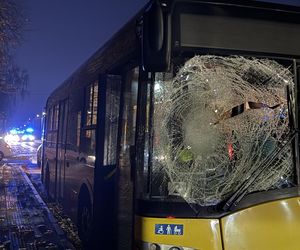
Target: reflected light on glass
[157, 87]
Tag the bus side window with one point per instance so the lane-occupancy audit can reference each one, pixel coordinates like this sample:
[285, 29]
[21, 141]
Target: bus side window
[113, 91]
[78, 129]
[87, 139]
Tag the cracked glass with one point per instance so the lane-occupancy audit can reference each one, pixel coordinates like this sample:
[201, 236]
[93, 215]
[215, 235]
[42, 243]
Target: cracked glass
[217, 122]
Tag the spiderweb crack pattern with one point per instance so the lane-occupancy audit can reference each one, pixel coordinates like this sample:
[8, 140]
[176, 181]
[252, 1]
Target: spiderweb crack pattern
[216, 121]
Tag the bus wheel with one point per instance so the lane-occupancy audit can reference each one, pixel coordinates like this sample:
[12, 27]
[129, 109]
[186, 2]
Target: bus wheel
[85, 218]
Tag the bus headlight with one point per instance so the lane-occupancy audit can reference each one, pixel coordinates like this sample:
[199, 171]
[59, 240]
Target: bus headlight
[155, 246]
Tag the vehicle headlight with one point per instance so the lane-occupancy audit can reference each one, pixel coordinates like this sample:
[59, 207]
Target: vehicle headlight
[31, 137]
[154, 247]
[24, 137]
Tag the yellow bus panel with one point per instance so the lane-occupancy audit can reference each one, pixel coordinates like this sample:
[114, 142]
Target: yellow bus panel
[270, 226]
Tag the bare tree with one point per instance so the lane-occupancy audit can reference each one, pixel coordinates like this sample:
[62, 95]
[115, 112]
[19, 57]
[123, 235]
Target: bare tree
[12, 22]
[13, 80]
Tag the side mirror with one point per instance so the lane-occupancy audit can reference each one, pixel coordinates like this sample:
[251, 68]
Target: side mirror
[155, 42]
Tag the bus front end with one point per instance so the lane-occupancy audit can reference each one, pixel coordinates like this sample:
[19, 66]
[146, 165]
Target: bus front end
[217, 165]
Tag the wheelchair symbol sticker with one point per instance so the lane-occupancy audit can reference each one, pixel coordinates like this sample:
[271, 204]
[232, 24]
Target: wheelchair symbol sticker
[169, 229]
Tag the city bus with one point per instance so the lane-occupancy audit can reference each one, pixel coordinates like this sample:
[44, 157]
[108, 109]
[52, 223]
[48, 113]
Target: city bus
[181, 132]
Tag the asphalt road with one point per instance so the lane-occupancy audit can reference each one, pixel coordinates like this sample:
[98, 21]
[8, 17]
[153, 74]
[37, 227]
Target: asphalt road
[23, 152]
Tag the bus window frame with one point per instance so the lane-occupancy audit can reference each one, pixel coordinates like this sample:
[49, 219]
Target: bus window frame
[143, 101]
[52, 132]
[89, 99]
[296, 114]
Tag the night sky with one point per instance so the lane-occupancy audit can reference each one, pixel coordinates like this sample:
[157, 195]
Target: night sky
[62, 34]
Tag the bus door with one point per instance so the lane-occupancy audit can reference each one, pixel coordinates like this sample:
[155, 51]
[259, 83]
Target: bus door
[125, 170]
[61, 149]
[106, 160]
[51, 151]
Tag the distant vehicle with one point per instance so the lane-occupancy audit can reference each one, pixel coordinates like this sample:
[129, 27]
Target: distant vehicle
[12, 138]
[27, 137]
[5, 149]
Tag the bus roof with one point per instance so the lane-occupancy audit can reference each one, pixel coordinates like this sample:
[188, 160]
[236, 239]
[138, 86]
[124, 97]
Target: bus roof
[123, 44]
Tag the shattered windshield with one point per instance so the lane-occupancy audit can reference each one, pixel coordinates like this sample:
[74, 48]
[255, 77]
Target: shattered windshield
[214, 123]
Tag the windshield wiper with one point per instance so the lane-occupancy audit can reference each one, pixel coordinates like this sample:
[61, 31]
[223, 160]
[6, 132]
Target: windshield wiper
[243, 189]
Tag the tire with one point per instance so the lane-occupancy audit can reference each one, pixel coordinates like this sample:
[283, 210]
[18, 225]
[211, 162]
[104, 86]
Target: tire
[84, 221]
[1, 155]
